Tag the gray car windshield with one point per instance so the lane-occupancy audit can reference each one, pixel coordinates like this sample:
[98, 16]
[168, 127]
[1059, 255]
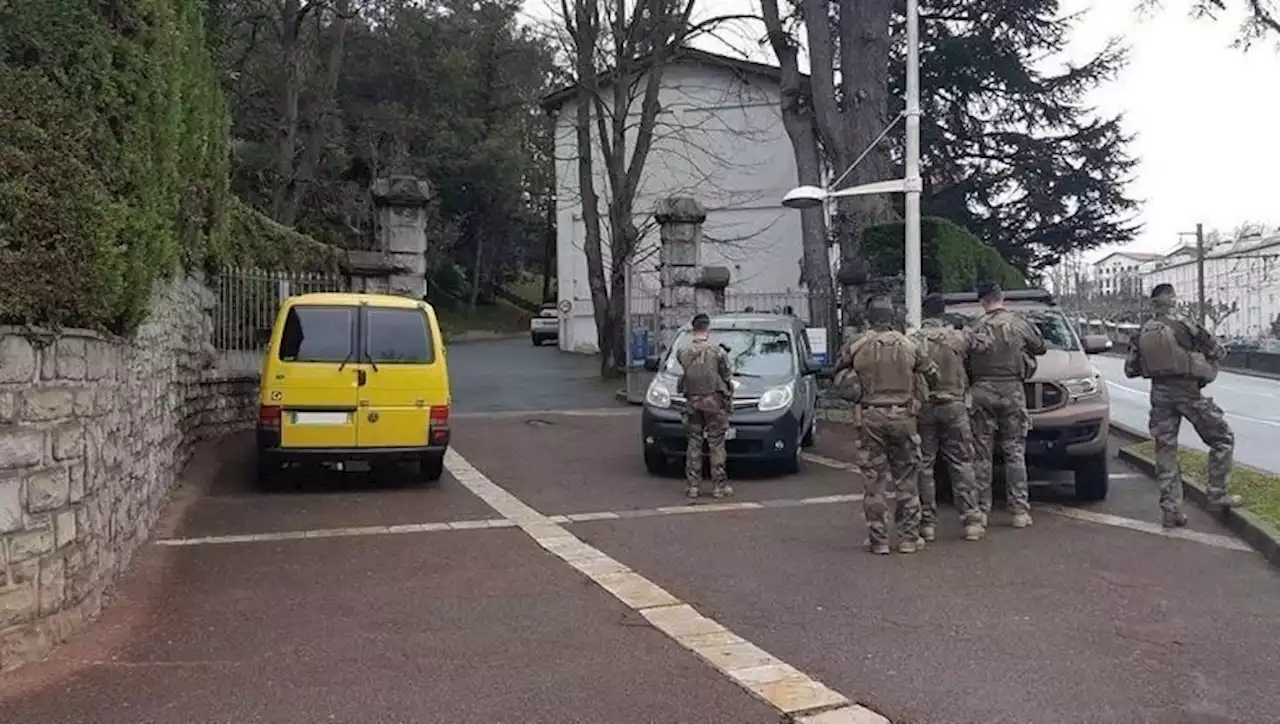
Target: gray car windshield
[1057, 333]
[752, 352]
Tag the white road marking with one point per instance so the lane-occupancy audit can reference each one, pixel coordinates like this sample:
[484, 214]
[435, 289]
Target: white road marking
[504, 523]
[785, 688]
[589, 412]
[1115, 521]
[830, 462]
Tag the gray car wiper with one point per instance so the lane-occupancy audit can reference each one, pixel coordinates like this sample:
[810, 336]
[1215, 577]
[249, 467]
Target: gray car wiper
[745, 374]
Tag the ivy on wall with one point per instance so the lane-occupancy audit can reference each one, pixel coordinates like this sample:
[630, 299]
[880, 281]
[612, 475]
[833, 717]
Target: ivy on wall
[114, 161]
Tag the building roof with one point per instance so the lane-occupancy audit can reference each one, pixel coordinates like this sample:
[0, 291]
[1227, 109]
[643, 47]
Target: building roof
[559, 97]
[1134, 255]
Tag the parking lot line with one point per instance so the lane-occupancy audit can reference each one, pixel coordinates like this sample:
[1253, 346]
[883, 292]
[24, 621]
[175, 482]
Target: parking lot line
[785, 688]
[372, 530]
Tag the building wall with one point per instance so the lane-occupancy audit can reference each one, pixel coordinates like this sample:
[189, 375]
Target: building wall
[94, 433]
[719, 139]
[1246, 275]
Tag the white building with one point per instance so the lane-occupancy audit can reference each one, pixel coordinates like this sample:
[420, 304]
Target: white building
[1244, 273]
[719, 138]
[1120, 273]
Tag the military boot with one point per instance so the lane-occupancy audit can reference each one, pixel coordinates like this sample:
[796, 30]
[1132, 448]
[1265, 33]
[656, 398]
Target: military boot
[693, 491]
[722, 490]
[909, 545]
[880, 548]
[929, 532]
[1224, 501]
[1021, 520]
[1174, 519]
[974, 531]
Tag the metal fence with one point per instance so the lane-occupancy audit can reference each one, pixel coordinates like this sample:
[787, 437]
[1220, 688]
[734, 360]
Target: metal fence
[248, 300]
[644, 324]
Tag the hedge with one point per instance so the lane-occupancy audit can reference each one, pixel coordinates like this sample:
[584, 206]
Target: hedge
[114, 160]
[952, 259]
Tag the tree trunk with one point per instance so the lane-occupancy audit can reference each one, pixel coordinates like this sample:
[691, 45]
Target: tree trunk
[476, 276]
[798, 120]
[325, 101]
[291, 18]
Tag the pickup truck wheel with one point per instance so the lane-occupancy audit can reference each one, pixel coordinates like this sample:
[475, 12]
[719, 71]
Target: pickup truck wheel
[432, 468]
[1092, 478]
[656, 463]
[536, 342]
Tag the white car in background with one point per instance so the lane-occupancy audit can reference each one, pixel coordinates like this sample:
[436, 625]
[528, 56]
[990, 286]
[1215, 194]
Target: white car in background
[545, 325]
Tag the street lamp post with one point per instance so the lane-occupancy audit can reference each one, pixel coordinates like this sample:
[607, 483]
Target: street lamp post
[805, 197]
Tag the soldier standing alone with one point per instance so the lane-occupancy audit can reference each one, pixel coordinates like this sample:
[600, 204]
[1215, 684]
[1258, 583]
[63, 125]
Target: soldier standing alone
[943, 420]
[1180, 358]
[887, 365]
[706, 385]
[1000, 401]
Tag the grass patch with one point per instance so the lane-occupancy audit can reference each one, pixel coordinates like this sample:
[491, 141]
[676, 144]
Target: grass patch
[499, 317]
[529, 288]
[1259, 490]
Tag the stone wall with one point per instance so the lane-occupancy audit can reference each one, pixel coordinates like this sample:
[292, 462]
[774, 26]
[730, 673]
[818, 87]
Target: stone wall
[94, 433]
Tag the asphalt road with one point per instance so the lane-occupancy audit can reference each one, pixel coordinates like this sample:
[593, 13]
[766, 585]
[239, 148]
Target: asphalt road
[1252, 405]
[354, 600]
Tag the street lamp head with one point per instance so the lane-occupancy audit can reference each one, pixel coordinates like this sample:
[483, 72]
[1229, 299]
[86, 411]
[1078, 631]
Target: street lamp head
[804, 197]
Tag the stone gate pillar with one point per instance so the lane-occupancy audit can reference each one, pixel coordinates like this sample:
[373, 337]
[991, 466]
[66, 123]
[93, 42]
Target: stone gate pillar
[688, 287]
[400, 218]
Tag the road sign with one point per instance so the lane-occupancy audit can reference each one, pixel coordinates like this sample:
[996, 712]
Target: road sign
[818, 345]
[565, 306]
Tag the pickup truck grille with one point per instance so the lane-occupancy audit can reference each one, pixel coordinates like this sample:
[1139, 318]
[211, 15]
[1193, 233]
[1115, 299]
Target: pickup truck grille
[1044, 396]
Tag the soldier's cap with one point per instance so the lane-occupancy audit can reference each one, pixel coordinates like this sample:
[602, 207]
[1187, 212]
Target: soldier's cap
[701, 321]
[989, 290]
[1163, 290]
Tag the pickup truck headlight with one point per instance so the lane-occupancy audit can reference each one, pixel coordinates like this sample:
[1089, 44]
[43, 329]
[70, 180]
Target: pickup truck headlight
[776, 398]
[658, 395]
[1083, 388]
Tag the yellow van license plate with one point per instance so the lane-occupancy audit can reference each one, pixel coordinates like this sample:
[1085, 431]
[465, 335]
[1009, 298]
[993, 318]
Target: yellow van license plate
[321, 418]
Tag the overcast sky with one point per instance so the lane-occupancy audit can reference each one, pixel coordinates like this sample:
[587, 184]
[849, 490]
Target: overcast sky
[1206, 114]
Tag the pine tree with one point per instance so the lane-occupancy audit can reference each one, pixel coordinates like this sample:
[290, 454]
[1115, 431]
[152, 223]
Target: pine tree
[1010, 151]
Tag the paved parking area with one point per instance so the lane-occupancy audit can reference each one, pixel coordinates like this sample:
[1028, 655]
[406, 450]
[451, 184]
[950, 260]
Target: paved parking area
[548, 578]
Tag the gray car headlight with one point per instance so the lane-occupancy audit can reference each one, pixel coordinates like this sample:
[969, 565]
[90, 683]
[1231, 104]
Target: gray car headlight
[658, 395]
[1083, 388]
[776, 398]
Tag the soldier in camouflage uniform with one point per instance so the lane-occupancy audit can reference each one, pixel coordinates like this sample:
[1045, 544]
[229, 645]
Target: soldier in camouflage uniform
[943, 420]
[706, 385]
[887, 364]
[1180, 357]
[1000, 401]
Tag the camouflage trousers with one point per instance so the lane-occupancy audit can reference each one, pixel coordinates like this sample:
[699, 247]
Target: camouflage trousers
[891, 459]
[705, 425]
[1169, 404]
[1000, 408]
[944, 429]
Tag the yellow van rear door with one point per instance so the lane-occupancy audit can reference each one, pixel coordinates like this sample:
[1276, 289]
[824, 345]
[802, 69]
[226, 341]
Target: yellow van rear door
[317, 377]
[405, 379]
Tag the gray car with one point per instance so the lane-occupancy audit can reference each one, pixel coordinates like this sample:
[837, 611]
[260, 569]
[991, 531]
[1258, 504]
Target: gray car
[775, 393]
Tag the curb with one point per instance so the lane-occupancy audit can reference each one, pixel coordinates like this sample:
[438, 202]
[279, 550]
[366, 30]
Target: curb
[1260, 534]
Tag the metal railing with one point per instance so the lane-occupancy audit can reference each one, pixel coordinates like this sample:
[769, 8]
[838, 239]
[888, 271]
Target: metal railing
[247, 303]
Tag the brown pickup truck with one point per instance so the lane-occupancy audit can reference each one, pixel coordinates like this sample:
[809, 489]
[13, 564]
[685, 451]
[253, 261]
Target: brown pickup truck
[1067, 398]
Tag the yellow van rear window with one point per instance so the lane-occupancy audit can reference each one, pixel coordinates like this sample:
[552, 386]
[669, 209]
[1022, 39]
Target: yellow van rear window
[394, 336]
[318, 334]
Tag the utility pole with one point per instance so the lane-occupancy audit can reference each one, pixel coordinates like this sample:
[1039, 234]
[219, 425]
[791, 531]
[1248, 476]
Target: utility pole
[1200, 273]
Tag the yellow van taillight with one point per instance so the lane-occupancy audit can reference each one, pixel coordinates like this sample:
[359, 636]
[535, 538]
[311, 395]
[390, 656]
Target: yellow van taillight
[439, 425]
[269, 417]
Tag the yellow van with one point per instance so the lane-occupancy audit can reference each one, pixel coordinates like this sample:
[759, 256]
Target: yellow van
[354, 378]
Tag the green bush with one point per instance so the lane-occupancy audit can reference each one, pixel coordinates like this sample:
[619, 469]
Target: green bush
[113, 159]
[952, 259]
